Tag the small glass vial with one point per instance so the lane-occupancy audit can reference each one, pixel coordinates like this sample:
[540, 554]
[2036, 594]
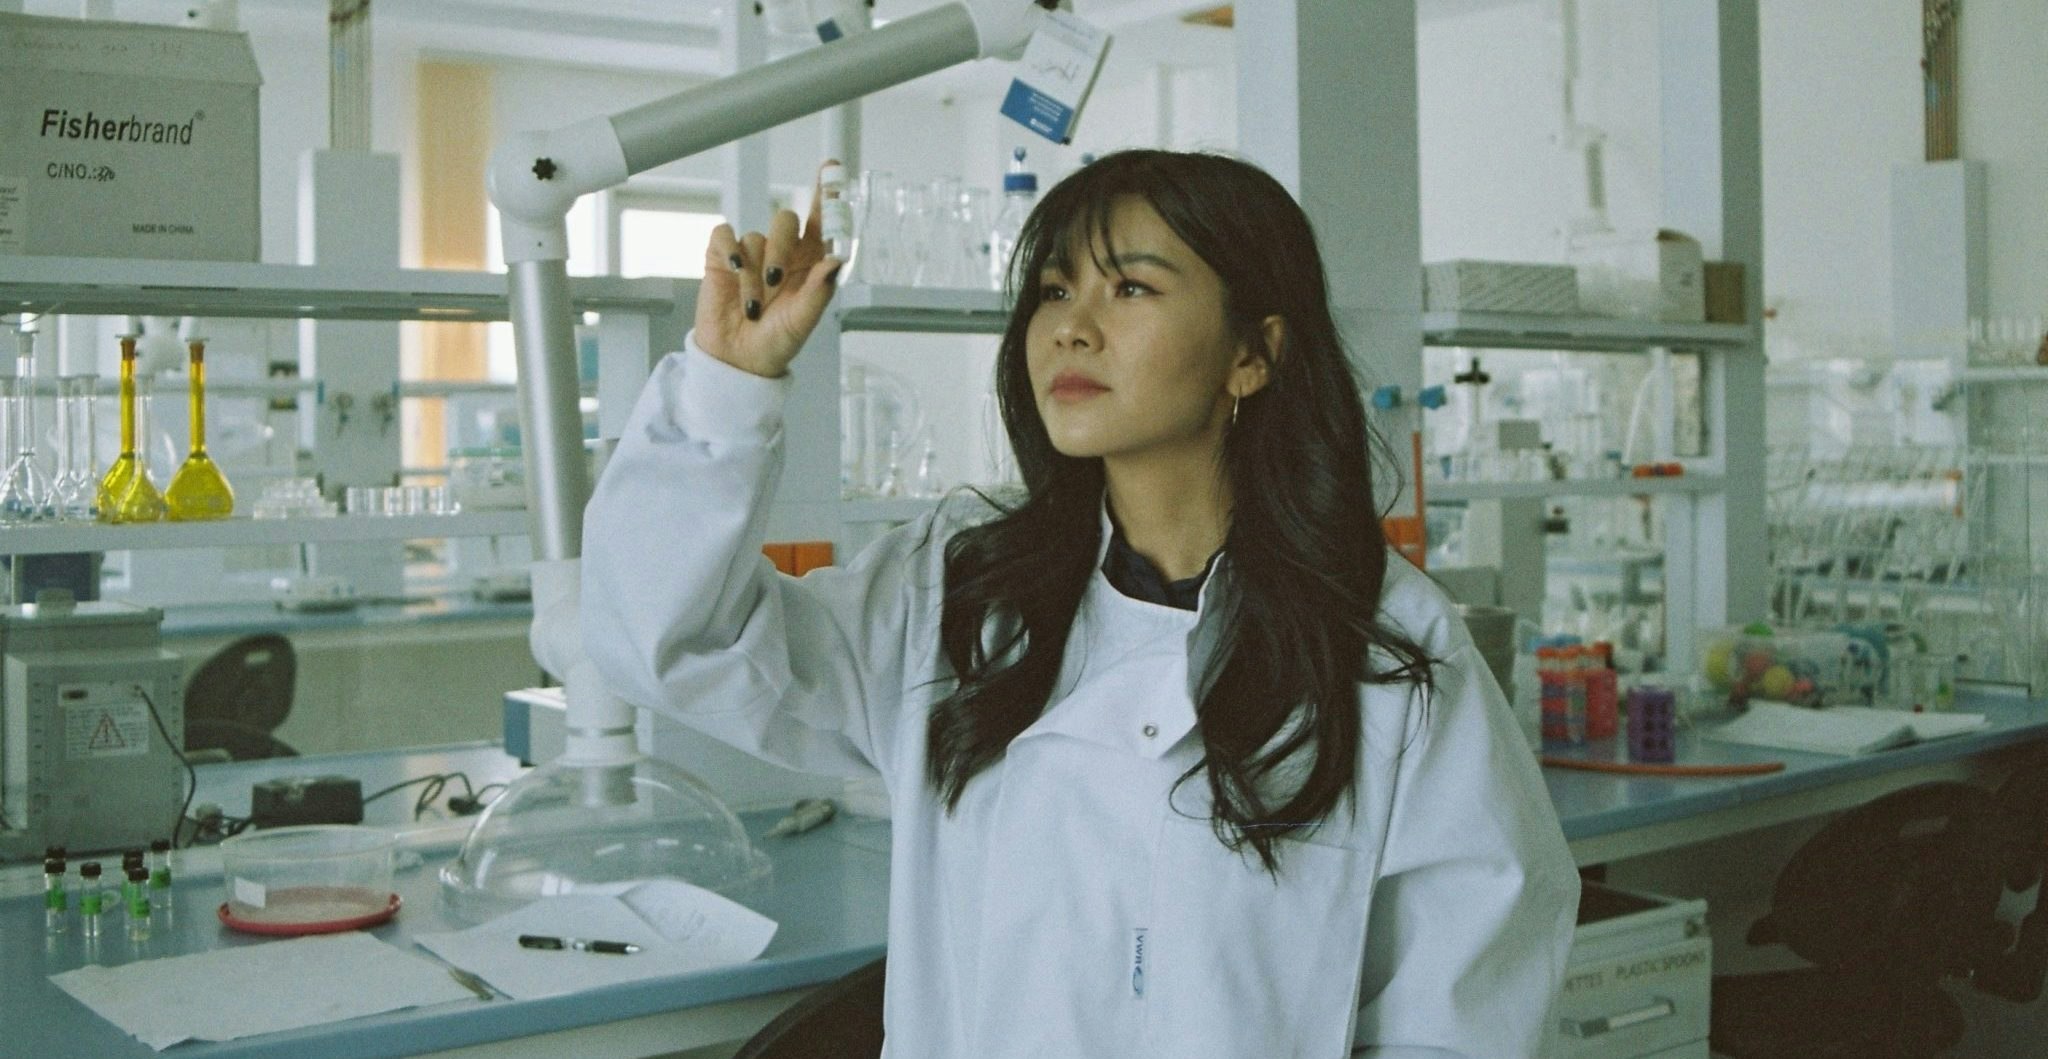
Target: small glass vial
[160, 864]
[56, 902]
[138, 903]
[834, 212]
[89, 898]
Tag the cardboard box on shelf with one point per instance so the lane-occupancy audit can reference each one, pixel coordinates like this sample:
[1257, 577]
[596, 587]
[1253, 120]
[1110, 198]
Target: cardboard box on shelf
[1499, 286]
[1643, 277]
[1723, 284]
[125, 140]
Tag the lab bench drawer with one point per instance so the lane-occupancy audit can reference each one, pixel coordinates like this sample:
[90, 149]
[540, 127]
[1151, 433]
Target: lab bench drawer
[1638, 979]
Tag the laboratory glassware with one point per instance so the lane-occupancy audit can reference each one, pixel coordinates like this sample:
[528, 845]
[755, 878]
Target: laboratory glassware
[56, 902]
[126, 493]
[74, 489]
[835, 214]
[199, 491]
[89, 900]
[137, 894]
[567, 828]
[1020, 195]
[25, 494]
[875, 232]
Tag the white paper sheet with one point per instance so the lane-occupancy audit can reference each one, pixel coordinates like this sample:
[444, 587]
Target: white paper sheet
[242, 991]
[1846, 730]
[680, 928]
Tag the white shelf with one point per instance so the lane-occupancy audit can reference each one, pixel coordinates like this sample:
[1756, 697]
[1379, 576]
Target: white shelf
[248, 532]
[119, 286]
[1587, 333]
[926, 310]
[1454, 492]
[891, 509]
[2016, 373]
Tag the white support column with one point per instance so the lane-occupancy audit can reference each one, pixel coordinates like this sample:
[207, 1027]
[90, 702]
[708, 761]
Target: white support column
[1713, 190]
[1326, 102]
[743, 166]
[349, 215]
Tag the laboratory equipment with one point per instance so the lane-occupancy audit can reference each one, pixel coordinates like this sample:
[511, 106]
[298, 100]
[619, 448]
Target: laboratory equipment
[89, 898]
[126, 492]
[56, 903]
[877, 199]
[199, 491]
[603, 808]
[1652, 724]
[90, 711]
[1805, 667]
[1602, 682]
[835, 214]
[485, 478]
[1020, 196]
[311, 879]
[1638, 980]
[138, 903]
[25, 494]
[160, 864]
[75, 489]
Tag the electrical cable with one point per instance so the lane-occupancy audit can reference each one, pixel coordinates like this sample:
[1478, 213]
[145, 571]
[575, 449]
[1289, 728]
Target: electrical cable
[435, 784]
[191, 774]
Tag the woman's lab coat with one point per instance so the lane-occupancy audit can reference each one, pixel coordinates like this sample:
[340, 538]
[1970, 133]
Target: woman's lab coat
[1065, 910]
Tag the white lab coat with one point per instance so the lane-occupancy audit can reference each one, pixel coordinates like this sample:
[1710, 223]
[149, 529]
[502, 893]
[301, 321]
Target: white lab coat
[1064, 910]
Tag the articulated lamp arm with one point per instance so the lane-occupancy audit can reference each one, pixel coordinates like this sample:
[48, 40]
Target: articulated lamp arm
[535, 177]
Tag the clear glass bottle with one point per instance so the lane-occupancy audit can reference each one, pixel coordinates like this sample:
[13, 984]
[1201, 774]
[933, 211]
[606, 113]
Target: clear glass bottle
[138, 903]
[56, 902]
[126, 494]
[25, 494]
[76, 488]
[89, 900]
[1020, 197]
[199, 491]
[835, 214]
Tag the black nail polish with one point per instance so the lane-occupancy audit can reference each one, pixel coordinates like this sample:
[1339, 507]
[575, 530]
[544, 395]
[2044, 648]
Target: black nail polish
[737, 264]
[773, 275]
[832, 277]
[753, 309]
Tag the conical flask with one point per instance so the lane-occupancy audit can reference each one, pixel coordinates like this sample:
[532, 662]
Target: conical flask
[198, 491]
[126, 493]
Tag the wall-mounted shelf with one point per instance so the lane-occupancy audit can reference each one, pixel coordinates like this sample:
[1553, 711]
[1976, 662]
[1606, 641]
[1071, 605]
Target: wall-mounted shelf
[921, 310]
[44, 539]
[118, 286]
[1584, 333]
[1458, 492]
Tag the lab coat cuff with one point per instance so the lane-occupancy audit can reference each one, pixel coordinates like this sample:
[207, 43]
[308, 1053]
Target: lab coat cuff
[714, 401]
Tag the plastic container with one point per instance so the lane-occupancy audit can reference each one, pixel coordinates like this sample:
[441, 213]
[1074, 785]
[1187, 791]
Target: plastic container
[307, 879]
[487, 479]
[1802, 667]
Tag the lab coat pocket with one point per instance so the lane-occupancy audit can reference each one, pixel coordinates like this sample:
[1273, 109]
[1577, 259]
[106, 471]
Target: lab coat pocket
[1238, 964]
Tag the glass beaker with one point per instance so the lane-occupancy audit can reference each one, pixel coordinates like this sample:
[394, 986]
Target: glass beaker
[25, 491]
[875, 230]
[199, 491]
[126, 494]
[75, 487]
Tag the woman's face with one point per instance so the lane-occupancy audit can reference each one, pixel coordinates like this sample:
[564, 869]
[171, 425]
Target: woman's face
[1137, 360]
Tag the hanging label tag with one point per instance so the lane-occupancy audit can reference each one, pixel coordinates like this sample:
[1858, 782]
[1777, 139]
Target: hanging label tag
[1054, 76]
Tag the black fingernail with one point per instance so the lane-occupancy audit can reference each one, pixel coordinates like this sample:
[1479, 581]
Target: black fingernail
[737, 264]
[773, 275]
[753, 309]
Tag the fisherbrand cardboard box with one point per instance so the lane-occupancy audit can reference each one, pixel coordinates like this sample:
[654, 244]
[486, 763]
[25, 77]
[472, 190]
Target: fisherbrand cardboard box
[124, 140]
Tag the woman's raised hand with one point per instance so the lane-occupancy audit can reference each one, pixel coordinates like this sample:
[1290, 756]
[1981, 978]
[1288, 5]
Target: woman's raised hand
[763, 295]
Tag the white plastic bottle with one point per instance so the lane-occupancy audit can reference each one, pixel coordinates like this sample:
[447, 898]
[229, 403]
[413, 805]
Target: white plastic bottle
[1020, 195]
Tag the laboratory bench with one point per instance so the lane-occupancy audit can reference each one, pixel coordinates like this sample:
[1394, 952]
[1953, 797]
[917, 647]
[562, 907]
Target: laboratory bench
[242, 619]
[829, 896]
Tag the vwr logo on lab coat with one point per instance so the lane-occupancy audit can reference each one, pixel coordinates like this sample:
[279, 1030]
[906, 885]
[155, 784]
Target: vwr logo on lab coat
[1138, 962]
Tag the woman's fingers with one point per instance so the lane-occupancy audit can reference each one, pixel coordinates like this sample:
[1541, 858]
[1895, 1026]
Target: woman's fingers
[752, 248]
[778, 258]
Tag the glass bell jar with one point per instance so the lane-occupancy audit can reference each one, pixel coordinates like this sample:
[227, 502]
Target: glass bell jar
[599, 829]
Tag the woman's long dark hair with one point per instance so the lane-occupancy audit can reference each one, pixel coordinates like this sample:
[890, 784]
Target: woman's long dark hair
[1304, 548]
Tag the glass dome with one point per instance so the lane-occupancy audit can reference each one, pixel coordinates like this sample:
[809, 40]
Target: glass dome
[567, 828]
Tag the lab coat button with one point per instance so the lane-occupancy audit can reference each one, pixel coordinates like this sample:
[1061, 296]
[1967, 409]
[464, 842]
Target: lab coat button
[1151, 730]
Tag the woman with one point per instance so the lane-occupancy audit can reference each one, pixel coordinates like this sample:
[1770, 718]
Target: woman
[1180, 763]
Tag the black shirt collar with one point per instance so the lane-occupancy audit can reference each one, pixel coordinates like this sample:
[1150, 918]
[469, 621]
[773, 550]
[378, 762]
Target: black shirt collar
[1135, 576]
